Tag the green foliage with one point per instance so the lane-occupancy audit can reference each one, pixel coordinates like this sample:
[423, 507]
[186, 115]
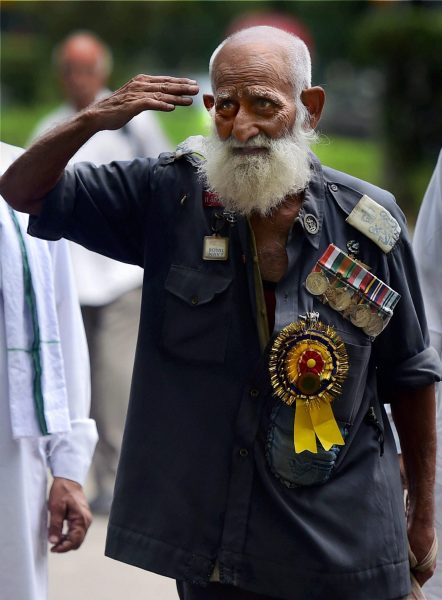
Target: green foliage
[24, 68]
[407, 46]
[17, 122]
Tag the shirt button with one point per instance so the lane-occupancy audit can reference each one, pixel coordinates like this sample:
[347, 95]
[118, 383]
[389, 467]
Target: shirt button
[333, 187]
[243, 452]
[194, 300]
[254, 393]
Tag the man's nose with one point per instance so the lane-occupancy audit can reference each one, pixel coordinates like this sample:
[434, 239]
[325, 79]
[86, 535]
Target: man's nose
[244, 127]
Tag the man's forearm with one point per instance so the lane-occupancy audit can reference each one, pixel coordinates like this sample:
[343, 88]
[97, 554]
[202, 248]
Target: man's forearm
[414, 414]
[38, 169]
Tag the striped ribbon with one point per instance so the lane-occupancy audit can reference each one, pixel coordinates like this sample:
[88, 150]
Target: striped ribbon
[355, 275]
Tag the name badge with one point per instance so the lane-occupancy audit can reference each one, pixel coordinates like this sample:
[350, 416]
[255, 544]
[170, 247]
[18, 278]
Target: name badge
[215, 248]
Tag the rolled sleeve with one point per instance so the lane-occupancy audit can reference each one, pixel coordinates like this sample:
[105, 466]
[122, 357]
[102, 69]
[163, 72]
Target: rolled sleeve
[403, 354]
[57, 209]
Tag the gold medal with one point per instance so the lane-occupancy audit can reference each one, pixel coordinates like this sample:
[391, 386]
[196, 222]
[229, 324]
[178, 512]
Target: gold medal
[360, 315]
[339, 299]
[375, 325]
[316, 283]
[308, 365]
[215, 247]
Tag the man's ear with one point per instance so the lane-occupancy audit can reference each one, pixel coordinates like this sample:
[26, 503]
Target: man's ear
[313, 98]
[209, 101]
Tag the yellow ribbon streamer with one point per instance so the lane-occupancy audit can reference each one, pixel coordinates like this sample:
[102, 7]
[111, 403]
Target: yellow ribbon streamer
[315, 419]
[303, 432]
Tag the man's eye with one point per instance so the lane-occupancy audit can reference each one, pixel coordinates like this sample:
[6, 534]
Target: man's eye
[224, 105]
[264, 103]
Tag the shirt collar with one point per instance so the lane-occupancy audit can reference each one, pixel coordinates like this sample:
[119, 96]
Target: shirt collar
[311, 213]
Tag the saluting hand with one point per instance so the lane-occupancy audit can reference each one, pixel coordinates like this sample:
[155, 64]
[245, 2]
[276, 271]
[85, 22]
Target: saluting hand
[143, 92]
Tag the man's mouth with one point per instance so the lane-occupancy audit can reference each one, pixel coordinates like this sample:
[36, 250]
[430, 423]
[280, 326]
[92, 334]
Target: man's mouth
[250, 150]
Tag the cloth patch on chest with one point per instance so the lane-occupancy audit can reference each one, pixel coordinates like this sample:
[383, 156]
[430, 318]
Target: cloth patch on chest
[211, 200]
[375, 222]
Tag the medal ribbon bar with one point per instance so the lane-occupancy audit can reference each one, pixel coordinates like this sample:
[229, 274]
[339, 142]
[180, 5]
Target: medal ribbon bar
[339, 264]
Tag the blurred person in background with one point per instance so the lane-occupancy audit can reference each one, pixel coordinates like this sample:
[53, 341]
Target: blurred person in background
[109, 291]
[257, 459]
[427, 246]
[44, 406]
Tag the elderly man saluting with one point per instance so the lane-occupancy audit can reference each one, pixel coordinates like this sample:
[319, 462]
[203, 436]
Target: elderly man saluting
[280, 310]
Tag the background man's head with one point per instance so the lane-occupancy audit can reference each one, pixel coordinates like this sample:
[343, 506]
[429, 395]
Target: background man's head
[264, 111]
[84, 64]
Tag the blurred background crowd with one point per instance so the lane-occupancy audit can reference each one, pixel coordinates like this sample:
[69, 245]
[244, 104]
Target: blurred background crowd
[377, 60]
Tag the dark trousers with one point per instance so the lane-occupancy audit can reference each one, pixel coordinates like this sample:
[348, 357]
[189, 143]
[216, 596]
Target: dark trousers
[216, 591]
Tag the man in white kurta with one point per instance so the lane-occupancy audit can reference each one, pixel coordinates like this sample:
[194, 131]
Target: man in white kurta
[44, 416]
[109, 291]
[427, 245]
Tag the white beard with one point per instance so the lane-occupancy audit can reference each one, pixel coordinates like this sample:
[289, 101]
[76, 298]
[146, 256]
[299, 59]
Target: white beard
[257, 182]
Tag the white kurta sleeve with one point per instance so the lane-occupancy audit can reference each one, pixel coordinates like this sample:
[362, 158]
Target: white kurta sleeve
[150, 138]
[427, 246]
[70, 454]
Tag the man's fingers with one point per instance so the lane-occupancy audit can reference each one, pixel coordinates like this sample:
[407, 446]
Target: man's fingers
[67, 503]
[165, 88]
[161, 102]
[164, 79]
[72, 539]
[57, 513]
[165, 85]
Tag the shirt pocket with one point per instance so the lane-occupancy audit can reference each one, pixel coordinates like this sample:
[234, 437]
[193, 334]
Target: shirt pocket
[197, 314]
[308, 468]
[346, 406]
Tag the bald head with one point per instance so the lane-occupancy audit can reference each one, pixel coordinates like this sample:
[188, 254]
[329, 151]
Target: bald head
[292, 52]
[84, 64]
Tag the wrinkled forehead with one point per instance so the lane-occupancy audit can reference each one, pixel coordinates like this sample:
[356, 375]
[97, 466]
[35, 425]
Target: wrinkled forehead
[252, 62]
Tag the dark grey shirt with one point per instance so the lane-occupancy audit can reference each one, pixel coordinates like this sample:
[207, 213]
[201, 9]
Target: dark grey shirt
[208, 473]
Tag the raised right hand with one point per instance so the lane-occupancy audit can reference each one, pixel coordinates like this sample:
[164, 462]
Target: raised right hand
[143, 92]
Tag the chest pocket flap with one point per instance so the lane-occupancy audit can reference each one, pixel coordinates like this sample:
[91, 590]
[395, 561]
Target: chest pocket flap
[195, 287]
[197, 314]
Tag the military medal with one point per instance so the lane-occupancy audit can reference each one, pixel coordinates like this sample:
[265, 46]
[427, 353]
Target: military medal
[353, 290]
[375, 325]
[215, 247]
[316, 283]
[360, 315]
[338, 298]
[308, 365]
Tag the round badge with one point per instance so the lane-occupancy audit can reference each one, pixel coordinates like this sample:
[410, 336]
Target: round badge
[360, 315]
[375, 325]
[316, 283]
[340, 299]
[311, 223]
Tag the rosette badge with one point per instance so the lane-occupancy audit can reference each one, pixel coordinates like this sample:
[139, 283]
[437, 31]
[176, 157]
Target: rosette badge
[308, 365]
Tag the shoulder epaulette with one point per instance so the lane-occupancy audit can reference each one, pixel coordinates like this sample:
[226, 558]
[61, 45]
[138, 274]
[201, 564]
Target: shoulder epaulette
[369, 209]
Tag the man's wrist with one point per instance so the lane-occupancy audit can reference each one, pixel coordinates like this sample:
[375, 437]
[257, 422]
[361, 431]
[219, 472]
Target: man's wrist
[86, 122]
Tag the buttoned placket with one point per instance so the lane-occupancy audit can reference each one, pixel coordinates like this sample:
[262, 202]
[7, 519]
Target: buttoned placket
[290, 300]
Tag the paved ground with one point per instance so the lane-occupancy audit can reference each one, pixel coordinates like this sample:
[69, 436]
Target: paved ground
[87, 574]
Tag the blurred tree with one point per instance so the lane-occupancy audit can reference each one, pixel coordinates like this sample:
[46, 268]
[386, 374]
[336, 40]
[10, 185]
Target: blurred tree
[406, 44]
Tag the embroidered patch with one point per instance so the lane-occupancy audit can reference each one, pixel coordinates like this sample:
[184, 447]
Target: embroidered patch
[211, 200]
[374, 221]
